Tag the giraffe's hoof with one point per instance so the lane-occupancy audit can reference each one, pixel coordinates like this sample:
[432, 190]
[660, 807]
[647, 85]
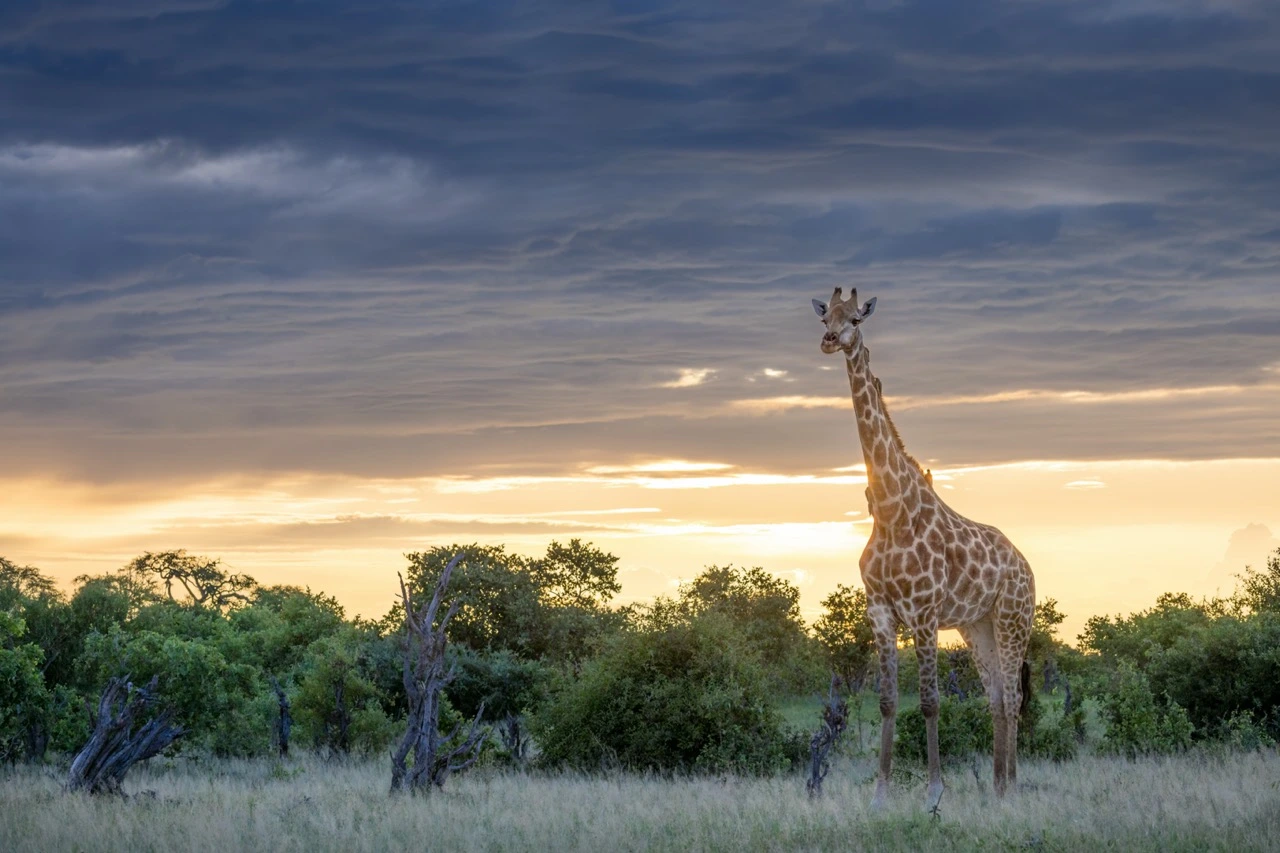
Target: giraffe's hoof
[933, 798]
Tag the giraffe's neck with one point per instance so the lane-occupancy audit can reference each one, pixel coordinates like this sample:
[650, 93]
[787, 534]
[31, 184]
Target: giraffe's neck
[895, 484]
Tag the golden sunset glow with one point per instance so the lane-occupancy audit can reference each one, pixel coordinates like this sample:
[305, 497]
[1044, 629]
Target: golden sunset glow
[1103, 537]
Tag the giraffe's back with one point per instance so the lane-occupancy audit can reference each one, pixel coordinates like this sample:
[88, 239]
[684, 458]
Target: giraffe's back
[981, 565]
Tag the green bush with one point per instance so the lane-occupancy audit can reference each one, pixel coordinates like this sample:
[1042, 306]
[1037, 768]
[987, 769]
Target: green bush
[337, 705]
[24, 701]
[1137, 723]
[207, 693]
[685, 697]
[1055, 736]
[1241, 732]
[245, 729]
[964, 727]
[1226, 668]
[68, 721]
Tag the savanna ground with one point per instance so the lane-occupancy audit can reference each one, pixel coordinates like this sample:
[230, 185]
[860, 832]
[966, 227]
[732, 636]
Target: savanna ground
[1195, 801]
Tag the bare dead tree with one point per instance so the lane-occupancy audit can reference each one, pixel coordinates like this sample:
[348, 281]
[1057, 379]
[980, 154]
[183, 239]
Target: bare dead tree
[122, 736]
[284, 721]
[835, 717]
[435, 757]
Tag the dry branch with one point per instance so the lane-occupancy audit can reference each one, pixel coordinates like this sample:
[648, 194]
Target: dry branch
[425, 677]
[122, 737]
[835, 717]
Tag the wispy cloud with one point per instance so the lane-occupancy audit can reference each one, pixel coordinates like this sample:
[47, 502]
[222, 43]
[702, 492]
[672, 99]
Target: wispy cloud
[690, 377]
[665, 466]
[1085, 485]
[766, 405]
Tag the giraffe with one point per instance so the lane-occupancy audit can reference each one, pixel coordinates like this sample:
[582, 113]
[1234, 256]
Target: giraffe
[928, 567]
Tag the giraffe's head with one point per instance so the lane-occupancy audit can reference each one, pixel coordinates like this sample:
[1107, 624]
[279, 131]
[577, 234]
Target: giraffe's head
[842, 317]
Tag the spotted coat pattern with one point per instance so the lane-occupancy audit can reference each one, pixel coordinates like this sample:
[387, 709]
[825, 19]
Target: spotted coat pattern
[928, 567]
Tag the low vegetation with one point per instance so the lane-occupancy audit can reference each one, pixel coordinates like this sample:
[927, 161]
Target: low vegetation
[683, 722]
[1194, 801]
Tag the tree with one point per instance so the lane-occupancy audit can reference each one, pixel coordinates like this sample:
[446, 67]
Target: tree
[1044, 647]
[338, 702]
[21, 583]
[23, 697]
[223, 705]
[282, 622]
[767, 608]
[497, 597]
[1228, 668]
[1139, 635]
[845, 634]
[576, 575]
[502, 685]
[204, 581]
[435, 757]
[1259, 590]
[48, 620]
[574, 585]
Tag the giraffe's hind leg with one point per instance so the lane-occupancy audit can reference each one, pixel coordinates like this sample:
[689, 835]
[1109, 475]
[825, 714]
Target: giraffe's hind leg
[980, 637]
[1014, 614]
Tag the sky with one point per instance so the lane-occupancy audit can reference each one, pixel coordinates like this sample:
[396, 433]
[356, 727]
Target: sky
[309, 285]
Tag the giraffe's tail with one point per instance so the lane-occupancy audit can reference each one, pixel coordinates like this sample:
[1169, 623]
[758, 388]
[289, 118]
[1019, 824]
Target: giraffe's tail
[1025, 708]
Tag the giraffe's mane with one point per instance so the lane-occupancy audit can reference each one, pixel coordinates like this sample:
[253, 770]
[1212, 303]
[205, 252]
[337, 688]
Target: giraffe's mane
[893, 428]
[897, 438]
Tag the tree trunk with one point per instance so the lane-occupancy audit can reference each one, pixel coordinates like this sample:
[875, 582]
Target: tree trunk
[284, 722]
[36, 742]
[434, 757]
[514, 739]
[835, 717]
[121, 738]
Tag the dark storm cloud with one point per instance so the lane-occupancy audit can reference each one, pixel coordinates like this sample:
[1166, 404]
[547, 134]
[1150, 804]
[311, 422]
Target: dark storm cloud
[424, 237]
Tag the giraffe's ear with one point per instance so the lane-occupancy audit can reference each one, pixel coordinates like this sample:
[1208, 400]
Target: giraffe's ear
[819, 308]
[867, 309]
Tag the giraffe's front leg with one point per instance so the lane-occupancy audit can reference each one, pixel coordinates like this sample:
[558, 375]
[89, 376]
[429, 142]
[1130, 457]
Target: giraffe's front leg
[926, 638]
[884, 624]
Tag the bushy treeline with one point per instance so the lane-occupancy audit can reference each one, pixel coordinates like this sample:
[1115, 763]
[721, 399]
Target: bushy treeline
[689, 682]
[534, 642]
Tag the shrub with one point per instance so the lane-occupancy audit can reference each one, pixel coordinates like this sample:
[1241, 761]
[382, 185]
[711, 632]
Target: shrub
[1137, 723]
[337, 705]
[685, 697]
[964, 727]
[1055, 736]
[1226, 668]
[207, 693]
[24, 700]
[1243, 733]
[68, 721]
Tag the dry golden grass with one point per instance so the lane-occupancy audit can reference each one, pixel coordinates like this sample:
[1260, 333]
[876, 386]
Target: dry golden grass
[1192, 802]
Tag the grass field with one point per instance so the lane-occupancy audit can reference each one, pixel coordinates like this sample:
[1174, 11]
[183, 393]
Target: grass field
[1191, 802]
